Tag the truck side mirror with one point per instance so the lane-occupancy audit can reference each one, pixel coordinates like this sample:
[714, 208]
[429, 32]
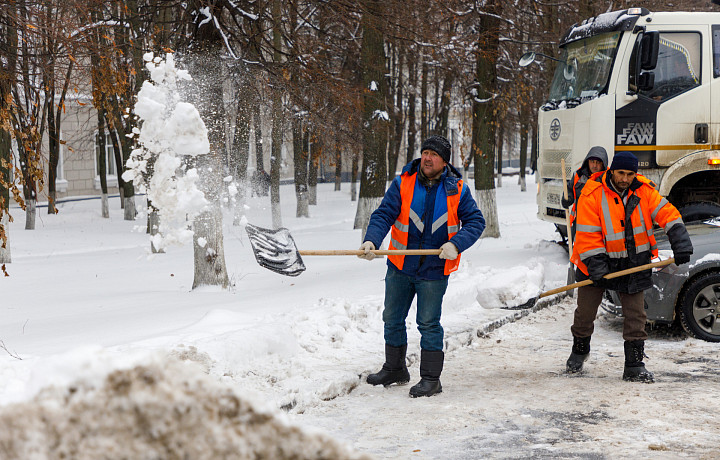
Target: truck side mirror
[649, 48]
[646, 81]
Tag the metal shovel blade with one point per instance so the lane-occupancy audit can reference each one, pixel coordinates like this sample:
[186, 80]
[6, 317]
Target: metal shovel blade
[275, 250]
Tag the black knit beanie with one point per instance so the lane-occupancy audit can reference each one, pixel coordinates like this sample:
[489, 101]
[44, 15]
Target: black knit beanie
[626, 161]
[439, 145]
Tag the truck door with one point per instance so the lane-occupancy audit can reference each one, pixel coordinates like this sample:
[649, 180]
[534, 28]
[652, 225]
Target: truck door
[664, 123]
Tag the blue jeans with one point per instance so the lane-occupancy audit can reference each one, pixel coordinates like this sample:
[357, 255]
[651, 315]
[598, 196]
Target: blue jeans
[400, 289]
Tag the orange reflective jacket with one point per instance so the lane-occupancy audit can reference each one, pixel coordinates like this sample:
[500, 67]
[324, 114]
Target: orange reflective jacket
[601, 219]
[445, 214]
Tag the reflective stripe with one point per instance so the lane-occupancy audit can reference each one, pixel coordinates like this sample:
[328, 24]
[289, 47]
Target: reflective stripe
[639, 230]
[592, 252]
[607, 217]
[643, 227]
[589, 228]
[618, 254]
[669, 225]
[615, 236]
[453, 229]
[396, 244]
[660, 205]
[399, 225]
[442, 220]
[417, 221]
[642, 247]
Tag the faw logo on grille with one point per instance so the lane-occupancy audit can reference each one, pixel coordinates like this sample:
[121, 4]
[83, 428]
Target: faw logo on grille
[555, 129]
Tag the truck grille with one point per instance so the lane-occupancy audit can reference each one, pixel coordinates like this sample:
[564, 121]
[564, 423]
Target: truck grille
[551, 164]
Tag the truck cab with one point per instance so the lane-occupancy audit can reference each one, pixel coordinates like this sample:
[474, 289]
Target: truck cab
[643, 82]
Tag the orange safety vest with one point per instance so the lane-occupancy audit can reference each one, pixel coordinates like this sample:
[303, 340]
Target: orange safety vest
[400, 229]
[573, 208]
[601, 220]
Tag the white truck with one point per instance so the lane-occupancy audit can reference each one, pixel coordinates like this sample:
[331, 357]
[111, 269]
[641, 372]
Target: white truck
[648, 83]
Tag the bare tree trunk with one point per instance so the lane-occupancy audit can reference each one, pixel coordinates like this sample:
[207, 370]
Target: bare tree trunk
[314, 150]
[484, 120]
[277, 124]
[443, 115]
[338, 168]
[276, 160]
[5, 254]
[424, 102]
[153, 227]
[398, 117]
[354, 176]
[30, 213]
[534, 147]
[208, 247]
[374, 131]
[412, 97]
[300, 155]
[102, 162]
[117, 154]
[5, 159]
[27, 159]
[257, 123]
[500, 145]
[523, 153]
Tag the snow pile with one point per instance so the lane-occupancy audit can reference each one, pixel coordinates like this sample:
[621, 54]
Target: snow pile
[511, 287]
[172, 134]
[161, 408]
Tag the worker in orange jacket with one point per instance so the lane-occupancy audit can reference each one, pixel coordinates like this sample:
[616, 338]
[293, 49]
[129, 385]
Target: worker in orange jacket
[615, 216]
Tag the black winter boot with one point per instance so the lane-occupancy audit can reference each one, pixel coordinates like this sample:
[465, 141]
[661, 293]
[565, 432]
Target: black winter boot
[431, 365]
[634, 367]
[580, 354]
[394, 370]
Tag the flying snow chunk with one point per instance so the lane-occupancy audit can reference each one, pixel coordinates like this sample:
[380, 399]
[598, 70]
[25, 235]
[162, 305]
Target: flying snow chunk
[187, 131]
[512, 287]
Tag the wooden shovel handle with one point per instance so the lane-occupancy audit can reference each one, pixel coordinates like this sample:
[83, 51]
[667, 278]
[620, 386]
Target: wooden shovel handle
[377, 252]
[609, 276]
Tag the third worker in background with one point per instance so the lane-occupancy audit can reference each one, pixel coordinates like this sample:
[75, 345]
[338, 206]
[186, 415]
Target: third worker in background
[615, 216]
[595, 161]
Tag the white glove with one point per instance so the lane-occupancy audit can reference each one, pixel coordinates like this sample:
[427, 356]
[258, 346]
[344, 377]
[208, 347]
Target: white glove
[448, 251]
[367, 247]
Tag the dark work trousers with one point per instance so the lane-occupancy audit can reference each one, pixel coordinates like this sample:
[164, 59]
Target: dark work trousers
[633, 309]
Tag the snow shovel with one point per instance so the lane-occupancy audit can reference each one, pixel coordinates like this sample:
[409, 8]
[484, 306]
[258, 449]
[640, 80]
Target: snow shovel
[531, 303]
[276, 250]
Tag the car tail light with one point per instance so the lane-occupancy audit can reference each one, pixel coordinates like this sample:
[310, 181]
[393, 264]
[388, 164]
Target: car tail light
[714, 161]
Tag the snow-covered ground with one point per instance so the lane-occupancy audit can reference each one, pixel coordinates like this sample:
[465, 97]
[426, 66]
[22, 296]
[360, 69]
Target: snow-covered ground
[85, 298]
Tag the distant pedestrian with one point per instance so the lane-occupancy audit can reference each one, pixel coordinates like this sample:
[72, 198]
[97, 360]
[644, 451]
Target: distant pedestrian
[615, 216]
[427, 207]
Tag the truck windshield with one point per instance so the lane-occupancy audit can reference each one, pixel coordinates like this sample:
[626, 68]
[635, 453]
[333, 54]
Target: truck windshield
[584, 71]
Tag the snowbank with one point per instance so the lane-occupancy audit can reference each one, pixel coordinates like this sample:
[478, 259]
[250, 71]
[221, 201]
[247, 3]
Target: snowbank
[162, 408]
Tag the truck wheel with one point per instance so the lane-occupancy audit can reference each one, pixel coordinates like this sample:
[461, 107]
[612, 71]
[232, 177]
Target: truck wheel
[699, 211]
[699, 308]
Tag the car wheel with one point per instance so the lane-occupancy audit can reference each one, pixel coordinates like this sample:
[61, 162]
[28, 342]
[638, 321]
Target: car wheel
[699, 211]
[699, 308]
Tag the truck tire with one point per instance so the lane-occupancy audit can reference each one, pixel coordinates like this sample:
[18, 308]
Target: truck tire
[699, 307]
[699, 211]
